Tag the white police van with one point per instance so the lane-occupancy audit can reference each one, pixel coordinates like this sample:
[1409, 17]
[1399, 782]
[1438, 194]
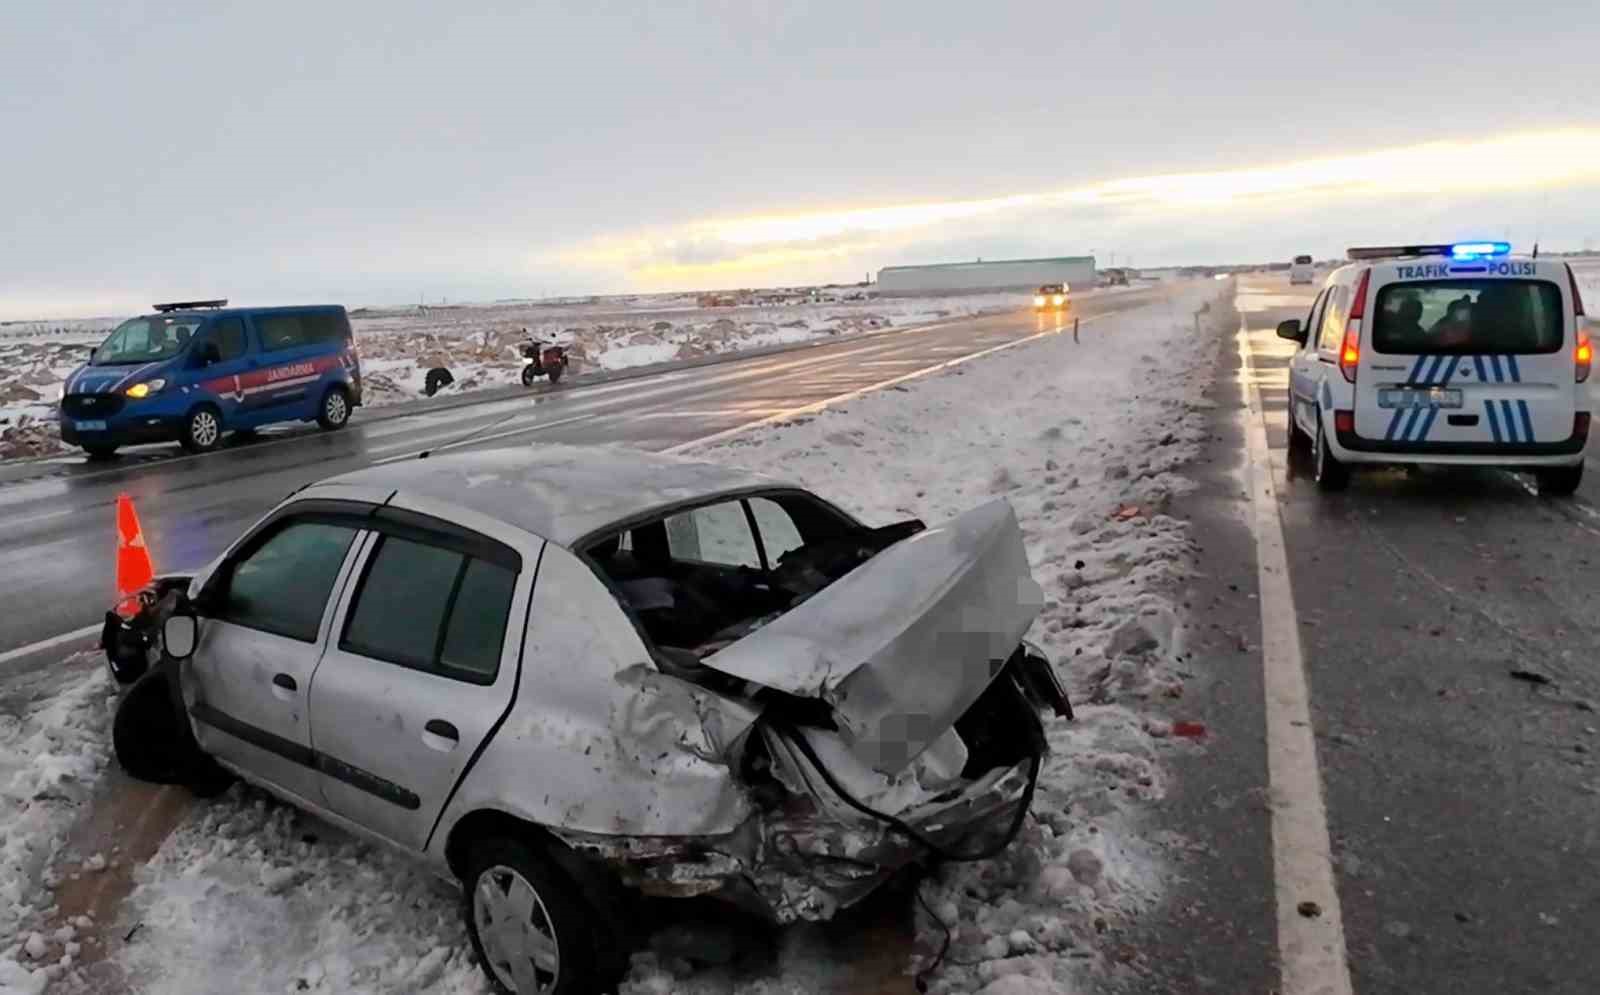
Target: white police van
[1456, 354]
[1302, 270]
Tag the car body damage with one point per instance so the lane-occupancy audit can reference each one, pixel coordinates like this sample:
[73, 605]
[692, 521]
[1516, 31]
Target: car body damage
[906, 642]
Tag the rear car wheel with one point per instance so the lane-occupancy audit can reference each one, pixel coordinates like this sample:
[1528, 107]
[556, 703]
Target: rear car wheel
[334, 411]
[1331, 475]
[100, 452]
[1558, 481]
[202, 430]
[529, 925]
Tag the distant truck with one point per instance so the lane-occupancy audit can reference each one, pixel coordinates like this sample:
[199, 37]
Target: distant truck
[1301, 270]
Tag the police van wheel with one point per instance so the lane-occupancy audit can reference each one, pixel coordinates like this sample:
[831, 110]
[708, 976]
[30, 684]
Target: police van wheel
[1331, 475]
[202, 430]
[334, 412]
[1558, 481]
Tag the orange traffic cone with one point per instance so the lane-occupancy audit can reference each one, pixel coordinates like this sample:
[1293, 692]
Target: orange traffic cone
[134, 569]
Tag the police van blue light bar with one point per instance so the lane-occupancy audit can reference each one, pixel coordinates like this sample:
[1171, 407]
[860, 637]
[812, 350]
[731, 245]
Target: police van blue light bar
[1458, 251]
[1479, 250]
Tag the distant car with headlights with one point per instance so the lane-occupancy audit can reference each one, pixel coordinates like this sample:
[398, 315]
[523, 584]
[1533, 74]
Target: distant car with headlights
[615, 673]
[1052, 296]
[1302, 270]
[195, 370]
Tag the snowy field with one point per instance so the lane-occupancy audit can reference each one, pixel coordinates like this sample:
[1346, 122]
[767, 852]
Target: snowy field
[480, 343]
[1088, 444]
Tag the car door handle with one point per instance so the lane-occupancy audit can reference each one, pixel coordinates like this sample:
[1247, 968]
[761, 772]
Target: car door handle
[284, 686]
[440, 735]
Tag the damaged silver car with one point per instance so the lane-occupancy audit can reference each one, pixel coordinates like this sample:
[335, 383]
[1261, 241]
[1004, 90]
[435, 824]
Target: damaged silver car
[568, 676]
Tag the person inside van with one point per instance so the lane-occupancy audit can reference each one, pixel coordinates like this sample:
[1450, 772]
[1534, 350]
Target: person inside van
[1406, 325]
[1455, 328]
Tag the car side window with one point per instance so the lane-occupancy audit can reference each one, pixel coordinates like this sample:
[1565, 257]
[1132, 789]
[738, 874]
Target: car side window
[282, 586]
[229, 336]
[717, 533]
[1334, 310]
[1312, 316]
[778, 532]
[280, 331]
[431, 609]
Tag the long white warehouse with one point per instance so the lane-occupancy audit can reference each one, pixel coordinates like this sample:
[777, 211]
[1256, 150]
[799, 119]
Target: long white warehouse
[999, 274]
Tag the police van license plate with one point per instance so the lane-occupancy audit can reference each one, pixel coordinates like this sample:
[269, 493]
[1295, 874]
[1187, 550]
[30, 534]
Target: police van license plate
[1424, 397]
[91, 426]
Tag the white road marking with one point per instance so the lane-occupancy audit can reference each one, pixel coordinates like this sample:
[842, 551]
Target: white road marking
[851, 395]
[51, 643]
[1312, 958]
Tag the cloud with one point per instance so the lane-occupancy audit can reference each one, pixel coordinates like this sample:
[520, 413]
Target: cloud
[742, 249]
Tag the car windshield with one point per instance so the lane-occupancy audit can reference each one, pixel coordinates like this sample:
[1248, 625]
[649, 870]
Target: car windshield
[146, 340]
[1468, 316]
[1050, 288]
[1302, 260]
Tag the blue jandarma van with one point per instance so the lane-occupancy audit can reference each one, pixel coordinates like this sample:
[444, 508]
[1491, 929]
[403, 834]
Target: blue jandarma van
[195, 370]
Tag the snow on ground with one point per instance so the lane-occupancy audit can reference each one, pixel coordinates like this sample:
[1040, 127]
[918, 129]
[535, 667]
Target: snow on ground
[1087, 441]
[52, 751]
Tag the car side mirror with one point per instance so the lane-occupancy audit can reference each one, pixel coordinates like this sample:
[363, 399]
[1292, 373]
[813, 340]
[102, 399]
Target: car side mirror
[93, 351]
[179, 636]
[1291, 330]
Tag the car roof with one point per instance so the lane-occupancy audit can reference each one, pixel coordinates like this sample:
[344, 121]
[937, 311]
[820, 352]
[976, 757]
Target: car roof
[560, 493]
[211, 312]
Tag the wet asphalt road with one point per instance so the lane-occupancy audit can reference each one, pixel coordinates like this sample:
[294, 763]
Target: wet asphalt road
[1463, 803]
[56, 517]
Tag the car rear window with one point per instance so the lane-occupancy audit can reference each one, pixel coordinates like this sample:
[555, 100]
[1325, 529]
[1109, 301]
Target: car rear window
[1468, 316]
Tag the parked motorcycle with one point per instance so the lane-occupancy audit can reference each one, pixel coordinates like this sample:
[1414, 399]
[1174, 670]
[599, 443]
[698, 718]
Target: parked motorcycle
[540, 360]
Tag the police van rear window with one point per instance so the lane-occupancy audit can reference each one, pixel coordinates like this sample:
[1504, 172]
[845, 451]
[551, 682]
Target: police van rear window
[1468, 316]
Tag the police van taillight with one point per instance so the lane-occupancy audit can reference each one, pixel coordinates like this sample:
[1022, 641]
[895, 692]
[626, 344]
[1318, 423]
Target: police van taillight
[1350, 350]
[1583, 356]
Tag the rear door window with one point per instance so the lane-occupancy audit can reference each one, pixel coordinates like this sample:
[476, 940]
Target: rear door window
[280, 331]
[1469, 316]
[431, 609]
[229, 336]
[778, 532]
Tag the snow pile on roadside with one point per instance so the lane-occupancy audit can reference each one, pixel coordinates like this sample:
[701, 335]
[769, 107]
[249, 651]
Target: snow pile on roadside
[31, 374]
[253, 896]
[1088, 442]
[50, 759]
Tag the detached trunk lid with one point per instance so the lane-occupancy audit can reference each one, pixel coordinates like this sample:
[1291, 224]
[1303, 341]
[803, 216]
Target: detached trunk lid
[905, 643]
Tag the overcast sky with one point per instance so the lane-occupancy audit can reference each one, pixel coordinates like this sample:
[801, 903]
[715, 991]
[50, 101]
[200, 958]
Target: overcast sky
[374, 152]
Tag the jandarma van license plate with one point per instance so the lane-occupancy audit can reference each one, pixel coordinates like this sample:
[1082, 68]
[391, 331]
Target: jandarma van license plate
[1420, 397]
[90, 426]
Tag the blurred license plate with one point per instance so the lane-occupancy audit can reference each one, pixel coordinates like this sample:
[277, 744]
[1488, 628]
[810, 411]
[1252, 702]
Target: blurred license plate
[91, 426]
[1424, 397]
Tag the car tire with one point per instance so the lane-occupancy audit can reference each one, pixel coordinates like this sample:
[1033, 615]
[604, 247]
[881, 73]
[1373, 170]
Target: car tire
[100, 452]
[559, 919]
[437, 379]
[1559, 481]
[333, 411]
[528, 375]
[146, 735]
[202, 430]
[1330, 474]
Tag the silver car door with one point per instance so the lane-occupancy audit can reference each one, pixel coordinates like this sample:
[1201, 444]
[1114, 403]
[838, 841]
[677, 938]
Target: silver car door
[261, 636]
[420, 668]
